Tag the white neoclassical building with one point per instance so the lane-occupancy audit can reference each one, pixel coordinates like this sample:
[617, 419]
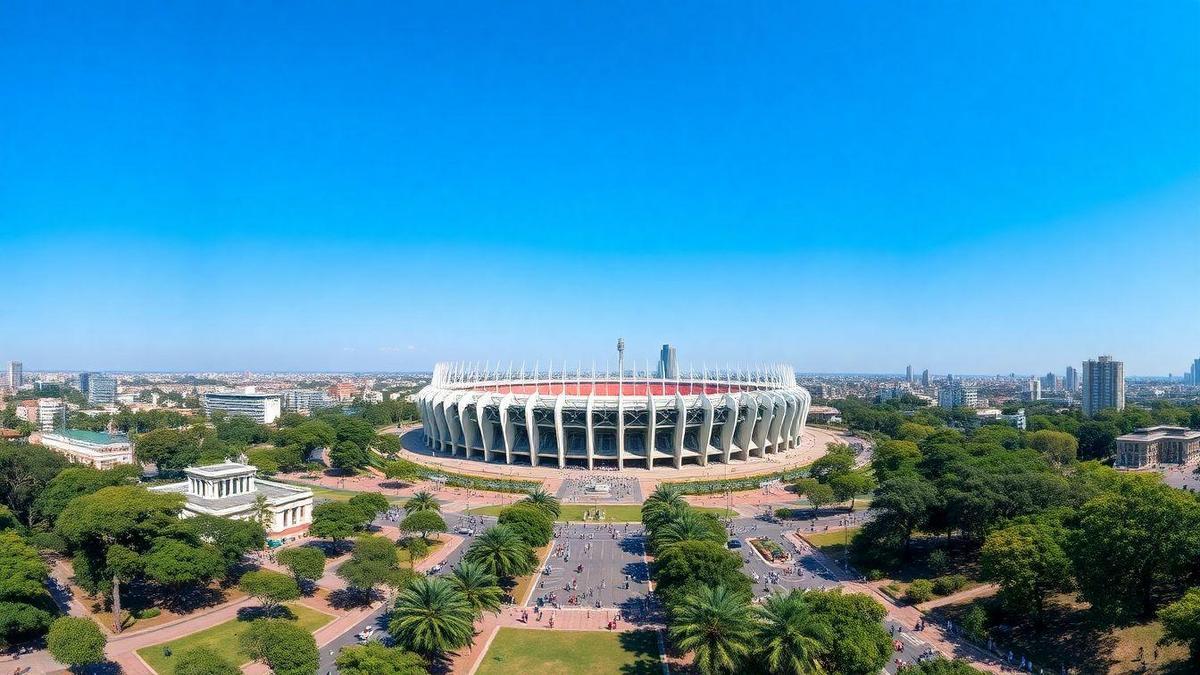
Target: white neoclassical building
[231, 490]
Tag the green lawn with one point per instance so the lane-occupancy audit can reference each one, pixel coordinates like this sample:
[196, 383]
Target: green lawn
[522, 650]
[619, 513]
[223, 638]
[835, 538]
[335, 494]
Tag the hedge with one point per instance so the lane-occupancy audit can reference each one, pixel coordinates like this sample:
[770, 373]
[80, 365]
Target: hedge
[707, 487]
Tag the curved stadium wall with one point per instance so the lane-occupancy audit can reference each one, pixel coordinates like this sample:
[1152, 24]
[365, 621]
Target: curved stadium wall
[612, 421]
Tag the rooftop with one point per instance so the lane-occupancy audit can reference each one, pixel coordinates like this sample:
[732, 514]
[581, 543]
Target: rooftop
[224, 469]
[268, 489]
[94, 437]
[1161, 431]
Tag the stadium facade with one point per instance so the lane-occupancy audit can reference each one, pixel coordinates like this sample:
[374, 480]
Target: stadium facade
[622, 420]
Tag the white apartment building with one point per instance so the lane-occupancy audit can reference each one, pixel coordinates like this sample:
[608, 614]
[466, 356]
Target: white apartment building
[261, 407]
[43, 413]
[956, 395]
[305, 400]
[231, 490]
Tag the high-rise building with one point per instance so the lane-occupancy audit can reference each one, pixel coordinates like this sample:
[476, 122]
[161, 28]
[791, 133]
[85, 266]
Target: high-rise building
[305, 400]
[908, 374]
[43, 413]
[1196, 372]
[668, 368]
[1103, 385]
[260, 407]
[925, 378]
[1033, 389]
[16, 375]
[956, 395]
[1071, 381]
[98, 388]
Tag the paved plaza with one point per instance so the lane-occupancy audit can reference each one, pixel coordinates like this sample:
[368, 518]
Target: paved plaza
[600, 487]
[590, 565]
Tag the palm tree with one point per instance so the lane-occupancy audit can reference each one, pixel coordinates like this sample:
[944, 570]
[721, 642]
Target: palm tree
[422, 501]
[502, 552]
[716, 625]
[432, 617]
[478, 586]
[690, 526]
[544, 500]
[664, 504]
[790, 640]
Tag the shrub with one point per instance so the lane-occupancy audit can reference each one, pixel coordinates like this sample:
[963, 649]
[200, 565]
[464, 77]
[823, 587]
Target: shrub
[920, 590]
[530, 522]
[783, 514]
[949, 584]
[147, 613]
[938, 562]
[974, 622]
[874, 574]
[416, 547]
[707, 487]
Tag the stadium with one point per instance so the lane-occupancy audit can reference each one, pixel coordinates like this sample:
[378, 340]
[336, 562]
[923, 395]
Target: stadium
[626, 420]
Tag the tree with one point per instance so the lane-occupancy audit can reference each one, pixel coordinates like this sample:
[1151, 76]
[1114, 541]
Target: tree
[790, 638]
[232, 538]
[129, 518]
[204, 661]
[1181, 622]
[75, 641]
[432, 617]
[269, 588]
[545, 501]
[76, 482]
[838, 459]
[502, 552]
[421, 501]
[423, 522]
[661, 505]
[818, 494]
[1097, 440]
[375, 659]
[306, 563]
[176, 563]
[307, 436]
[373, 562]
[25, 470]
[684, 568]
[371, 503]
[480, 587]
[858, 644]
[690, 525]
[285, 647]
[349, 455]
[1131, 542]
[852, 484]
[388, 444]
[714, 624]
[893, 458]
[170, 450]
[534, 524]
[905, 503]
[1058, 447]
[1029, 564]
[26, 609]
[337, 521]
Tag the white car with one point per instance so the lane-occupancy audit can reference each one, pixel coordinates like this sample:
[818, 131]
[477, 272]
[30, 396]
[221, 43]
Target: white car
[366, 634]
[466, 531]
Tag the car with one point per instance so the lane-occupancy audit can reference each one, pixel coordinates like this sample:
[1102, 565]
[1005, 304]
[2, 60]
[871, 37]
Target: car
[735, 543]
[366, 634]
[465, 531]
[436, 568]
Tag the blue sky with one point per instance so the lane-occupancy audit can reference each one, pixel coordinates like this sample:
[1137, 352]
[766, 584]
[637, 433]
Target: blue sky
[968, 187]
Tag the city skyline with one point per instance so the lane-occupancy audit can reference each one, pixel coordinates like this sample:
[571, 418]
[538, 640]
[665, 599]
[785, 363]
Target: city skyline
[846, 190]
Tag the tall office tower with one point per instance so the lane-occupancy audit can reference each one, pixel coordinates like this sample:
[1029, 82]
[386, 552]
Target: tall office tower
[1196, 372]
[908, 374]
[16, 375]
[1103, 385]
[98, 388]
[1033, 390]
[667, 367]
[925, 378]
[1071, 381]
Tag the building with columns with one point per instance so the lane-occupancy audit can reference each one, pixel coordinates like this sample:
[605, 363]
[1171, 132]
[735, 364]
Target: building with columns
[231, 490]
[1157, 445]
